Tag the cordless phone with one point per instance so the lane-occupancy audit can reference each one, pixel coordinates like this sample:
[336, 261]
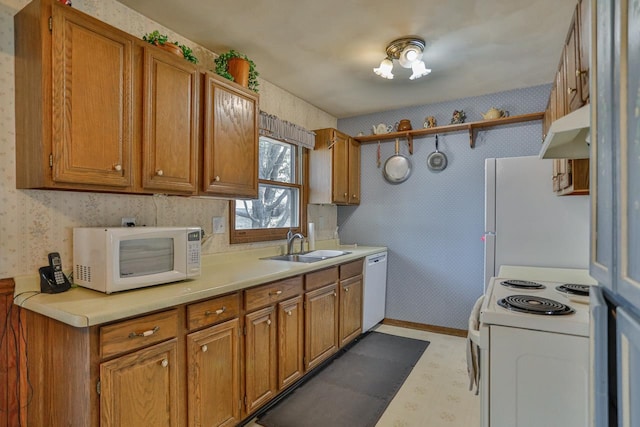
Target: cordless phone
[52, 279]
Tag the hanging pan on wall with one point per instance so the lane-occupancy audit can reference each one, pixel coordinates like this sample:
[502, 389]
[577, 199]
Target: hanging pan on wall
[397, 168]
[437, 160]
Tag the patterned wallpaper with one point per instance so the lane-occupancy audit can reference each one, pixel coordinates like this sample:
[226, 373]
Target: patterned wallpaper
[432, 223]
[33, 222]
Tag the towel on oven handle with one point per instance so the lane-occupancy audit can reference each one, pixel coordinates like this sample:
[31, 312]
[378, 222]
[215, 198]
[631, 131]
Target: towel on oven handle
[473, 350]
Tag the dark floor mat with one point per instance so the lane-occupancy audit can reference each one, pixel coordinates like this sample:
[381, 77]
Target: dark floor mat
[353, 390]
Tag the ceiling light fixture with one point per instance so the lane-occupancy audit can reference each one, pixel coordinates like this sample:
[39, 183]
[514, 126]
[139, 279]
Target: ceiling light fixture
[408, 52]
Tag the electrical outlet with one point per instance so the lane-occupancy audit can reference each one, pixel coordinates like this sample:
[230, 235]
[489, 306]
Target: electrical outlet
[218, 225]
[128, 221]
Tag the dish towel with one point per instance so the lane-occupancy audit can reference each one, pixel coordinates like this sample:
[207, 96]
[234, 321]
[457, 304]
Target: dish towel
[473, 350]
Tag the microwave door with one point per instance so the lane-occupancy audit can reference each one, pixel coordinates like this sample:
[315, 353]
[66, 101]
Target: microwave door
[143, 257]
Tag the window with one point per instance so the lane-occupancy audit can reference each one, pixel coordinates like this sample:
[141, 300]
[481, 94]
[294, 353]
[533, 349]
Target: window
[280, 205]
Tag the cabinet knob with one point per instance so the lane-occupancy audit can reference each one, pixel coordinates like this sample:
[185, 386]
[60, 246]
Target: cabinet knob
[571, 90]
[217, 178]
[268, 322]
[159, 172]
[117, 167]
[204, 348]
[346, 194]
[580, 72]
[164, 363]
[289, 313]
[346, 289]
[335, 295]
[354, 196]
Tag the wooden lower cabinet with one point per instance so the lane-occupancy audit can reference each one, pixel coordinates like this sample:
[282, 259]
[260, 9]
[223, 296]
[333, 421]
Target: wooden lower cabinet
[290, 341]
[213, 372]
[350, 309]
[260, 358]
[321, 324]
[141, 388]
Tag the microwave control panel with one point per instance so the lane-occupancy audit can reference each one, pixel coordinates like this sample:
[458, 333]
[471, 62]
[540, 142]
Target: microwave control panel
[193, 251]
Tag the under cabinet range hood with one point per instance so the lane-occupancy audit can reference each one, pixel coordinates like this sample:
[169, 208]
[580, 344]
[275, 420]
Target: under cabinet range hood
[568, 137]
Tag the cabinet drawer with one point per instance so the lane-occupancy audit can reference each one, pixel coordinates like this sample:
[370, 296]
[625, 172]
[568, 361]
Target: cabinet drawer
[351, 269]
[137, 333]
[213, 311]
[273, 292]
[321, 278]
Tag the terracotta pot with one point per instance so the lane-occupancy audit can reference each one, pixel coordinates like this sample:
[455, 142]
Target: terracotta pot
[239, 69]
[173, 48]
[404, 125]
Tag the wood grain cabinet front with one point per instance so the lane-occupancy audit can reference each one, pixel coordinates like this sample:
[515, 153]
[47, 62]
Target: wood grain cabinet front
[321, 324]
[65, 137]
[351, 286]
[230, 163]
[213, 375]
[261, 354]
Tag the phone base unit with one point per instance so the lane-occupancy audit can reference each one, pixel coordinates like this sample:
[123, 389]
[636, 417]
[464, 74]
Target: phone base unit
[48, 282]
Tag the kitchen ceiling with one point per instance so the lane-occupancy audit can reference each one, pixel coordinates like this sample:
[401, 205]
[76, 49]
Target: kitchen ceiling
[324, 51]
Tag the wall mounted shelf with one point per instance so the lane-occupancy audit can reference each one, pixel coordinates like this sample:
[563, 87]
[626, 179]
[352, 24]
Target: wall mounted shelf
[471, 127]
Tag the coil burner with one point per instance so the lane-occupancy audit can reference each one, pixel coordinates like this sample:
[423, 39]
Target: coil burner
[574, 289]
[522, 284]
[534, 305]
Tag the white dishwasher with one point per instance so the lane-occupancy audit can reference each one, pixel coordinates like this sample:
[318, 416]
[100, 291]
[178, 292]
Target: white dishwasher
[374, 290]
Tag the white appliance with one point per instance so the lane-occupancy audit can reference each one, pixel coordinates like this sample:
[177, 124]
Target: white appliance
[117, 259]
[374, 290]
[534, 367]
[526, 223]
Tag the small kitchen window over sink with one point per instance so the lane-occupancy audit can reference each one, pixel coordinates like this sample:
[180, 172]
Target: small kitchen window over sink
[279, 206]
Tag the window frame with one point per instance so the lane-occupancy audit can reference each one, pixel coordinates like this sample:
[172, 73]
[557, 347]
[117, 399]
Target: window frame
[270, 234]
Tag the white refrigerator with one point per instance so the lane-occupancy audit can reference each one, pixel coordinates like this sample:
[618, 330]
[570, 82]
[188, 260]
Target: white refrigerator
[526, 223]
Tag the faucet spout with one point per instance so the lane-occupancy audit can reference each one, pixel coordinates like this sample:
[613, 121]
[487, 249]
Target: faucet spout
[291, 237]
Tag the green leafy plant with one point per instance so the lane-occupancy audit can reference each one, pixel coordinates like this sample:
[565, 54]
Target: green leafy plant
[222, 64]
[160, 39]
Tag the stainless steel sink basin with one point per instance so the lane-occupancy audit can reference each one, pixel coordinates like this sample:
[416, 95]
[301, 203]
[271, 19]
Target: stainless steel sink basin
[308, 257]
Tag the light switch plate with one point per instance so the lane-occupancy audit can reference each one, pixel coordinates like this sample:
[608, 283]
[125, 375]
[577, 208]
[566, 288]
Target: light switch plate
[128, 221]
[218, 225]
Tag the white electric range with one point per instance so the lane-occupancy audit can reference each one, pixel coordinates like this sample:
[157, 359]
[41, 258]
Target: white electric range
[534, 348]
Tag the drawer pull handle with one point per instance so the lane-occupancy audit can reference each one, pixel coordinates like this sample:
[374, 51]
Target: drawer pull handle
[164, 363]
[145, 333]
[268, 322]
[218, 311]
[276, 293]
[204, 348]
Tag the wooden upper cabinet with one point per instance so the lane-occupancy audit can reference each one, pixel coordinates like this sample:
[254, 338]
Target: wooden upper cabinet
[230, 163]
[74, 106]
[171, 90]
[584, 47]
[334, 169]
[571, 59]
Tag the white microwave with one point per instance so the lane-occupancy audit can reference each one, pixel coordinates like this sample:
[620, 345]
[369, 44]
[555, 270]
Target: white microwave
[122, 258]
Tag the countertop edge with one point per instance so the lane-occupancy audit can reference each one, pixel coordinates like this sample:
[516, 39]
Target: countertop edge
[80, 307]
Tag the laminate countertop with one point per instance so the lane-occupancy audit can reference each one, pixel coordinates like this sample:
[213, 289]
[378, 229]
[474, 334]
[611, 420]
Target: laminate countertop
[221, 274]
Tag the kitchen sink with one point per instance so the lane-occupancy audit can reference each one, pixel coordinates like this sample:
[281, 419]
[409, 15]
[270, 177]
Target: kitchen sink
[308, 257]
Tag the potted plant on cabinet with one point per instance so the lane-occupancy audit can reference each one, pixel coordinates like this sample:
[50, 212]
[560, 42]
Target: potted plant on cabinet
[237, 67]
[161, 40]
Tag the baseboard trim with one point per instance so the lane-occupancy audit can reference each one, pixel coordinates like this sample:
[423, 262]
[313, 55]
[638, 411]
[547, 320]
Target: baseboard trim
[425, 327]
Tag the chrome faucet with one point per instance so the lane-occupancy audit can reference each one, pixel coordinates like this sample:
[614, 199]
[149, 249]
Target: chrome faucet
[291, 238]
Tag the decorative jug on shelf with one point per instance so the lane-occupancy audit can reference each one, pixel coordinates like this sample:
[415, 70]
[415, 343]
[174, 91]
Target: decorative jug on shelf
[404, 124]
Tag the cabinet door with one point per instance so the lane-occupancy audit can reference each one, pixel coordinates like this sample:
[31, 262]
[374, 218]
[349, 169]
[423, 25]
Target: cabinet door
[629, 157]
[571, 64]
[290, 341]
[350, 309]
[92, 101]
[141, 389]
[340, 168]
[261, 353]
[602, 149]
[584, 50]
[170, 122]
[628, 364]
[354, 171]
[230, 164]
[213, 372]
[321, 325]
[561, 87]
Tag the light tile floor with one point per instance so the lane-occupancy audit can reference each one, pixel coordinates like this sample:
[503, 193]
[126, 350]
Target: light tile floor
[436, 393]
